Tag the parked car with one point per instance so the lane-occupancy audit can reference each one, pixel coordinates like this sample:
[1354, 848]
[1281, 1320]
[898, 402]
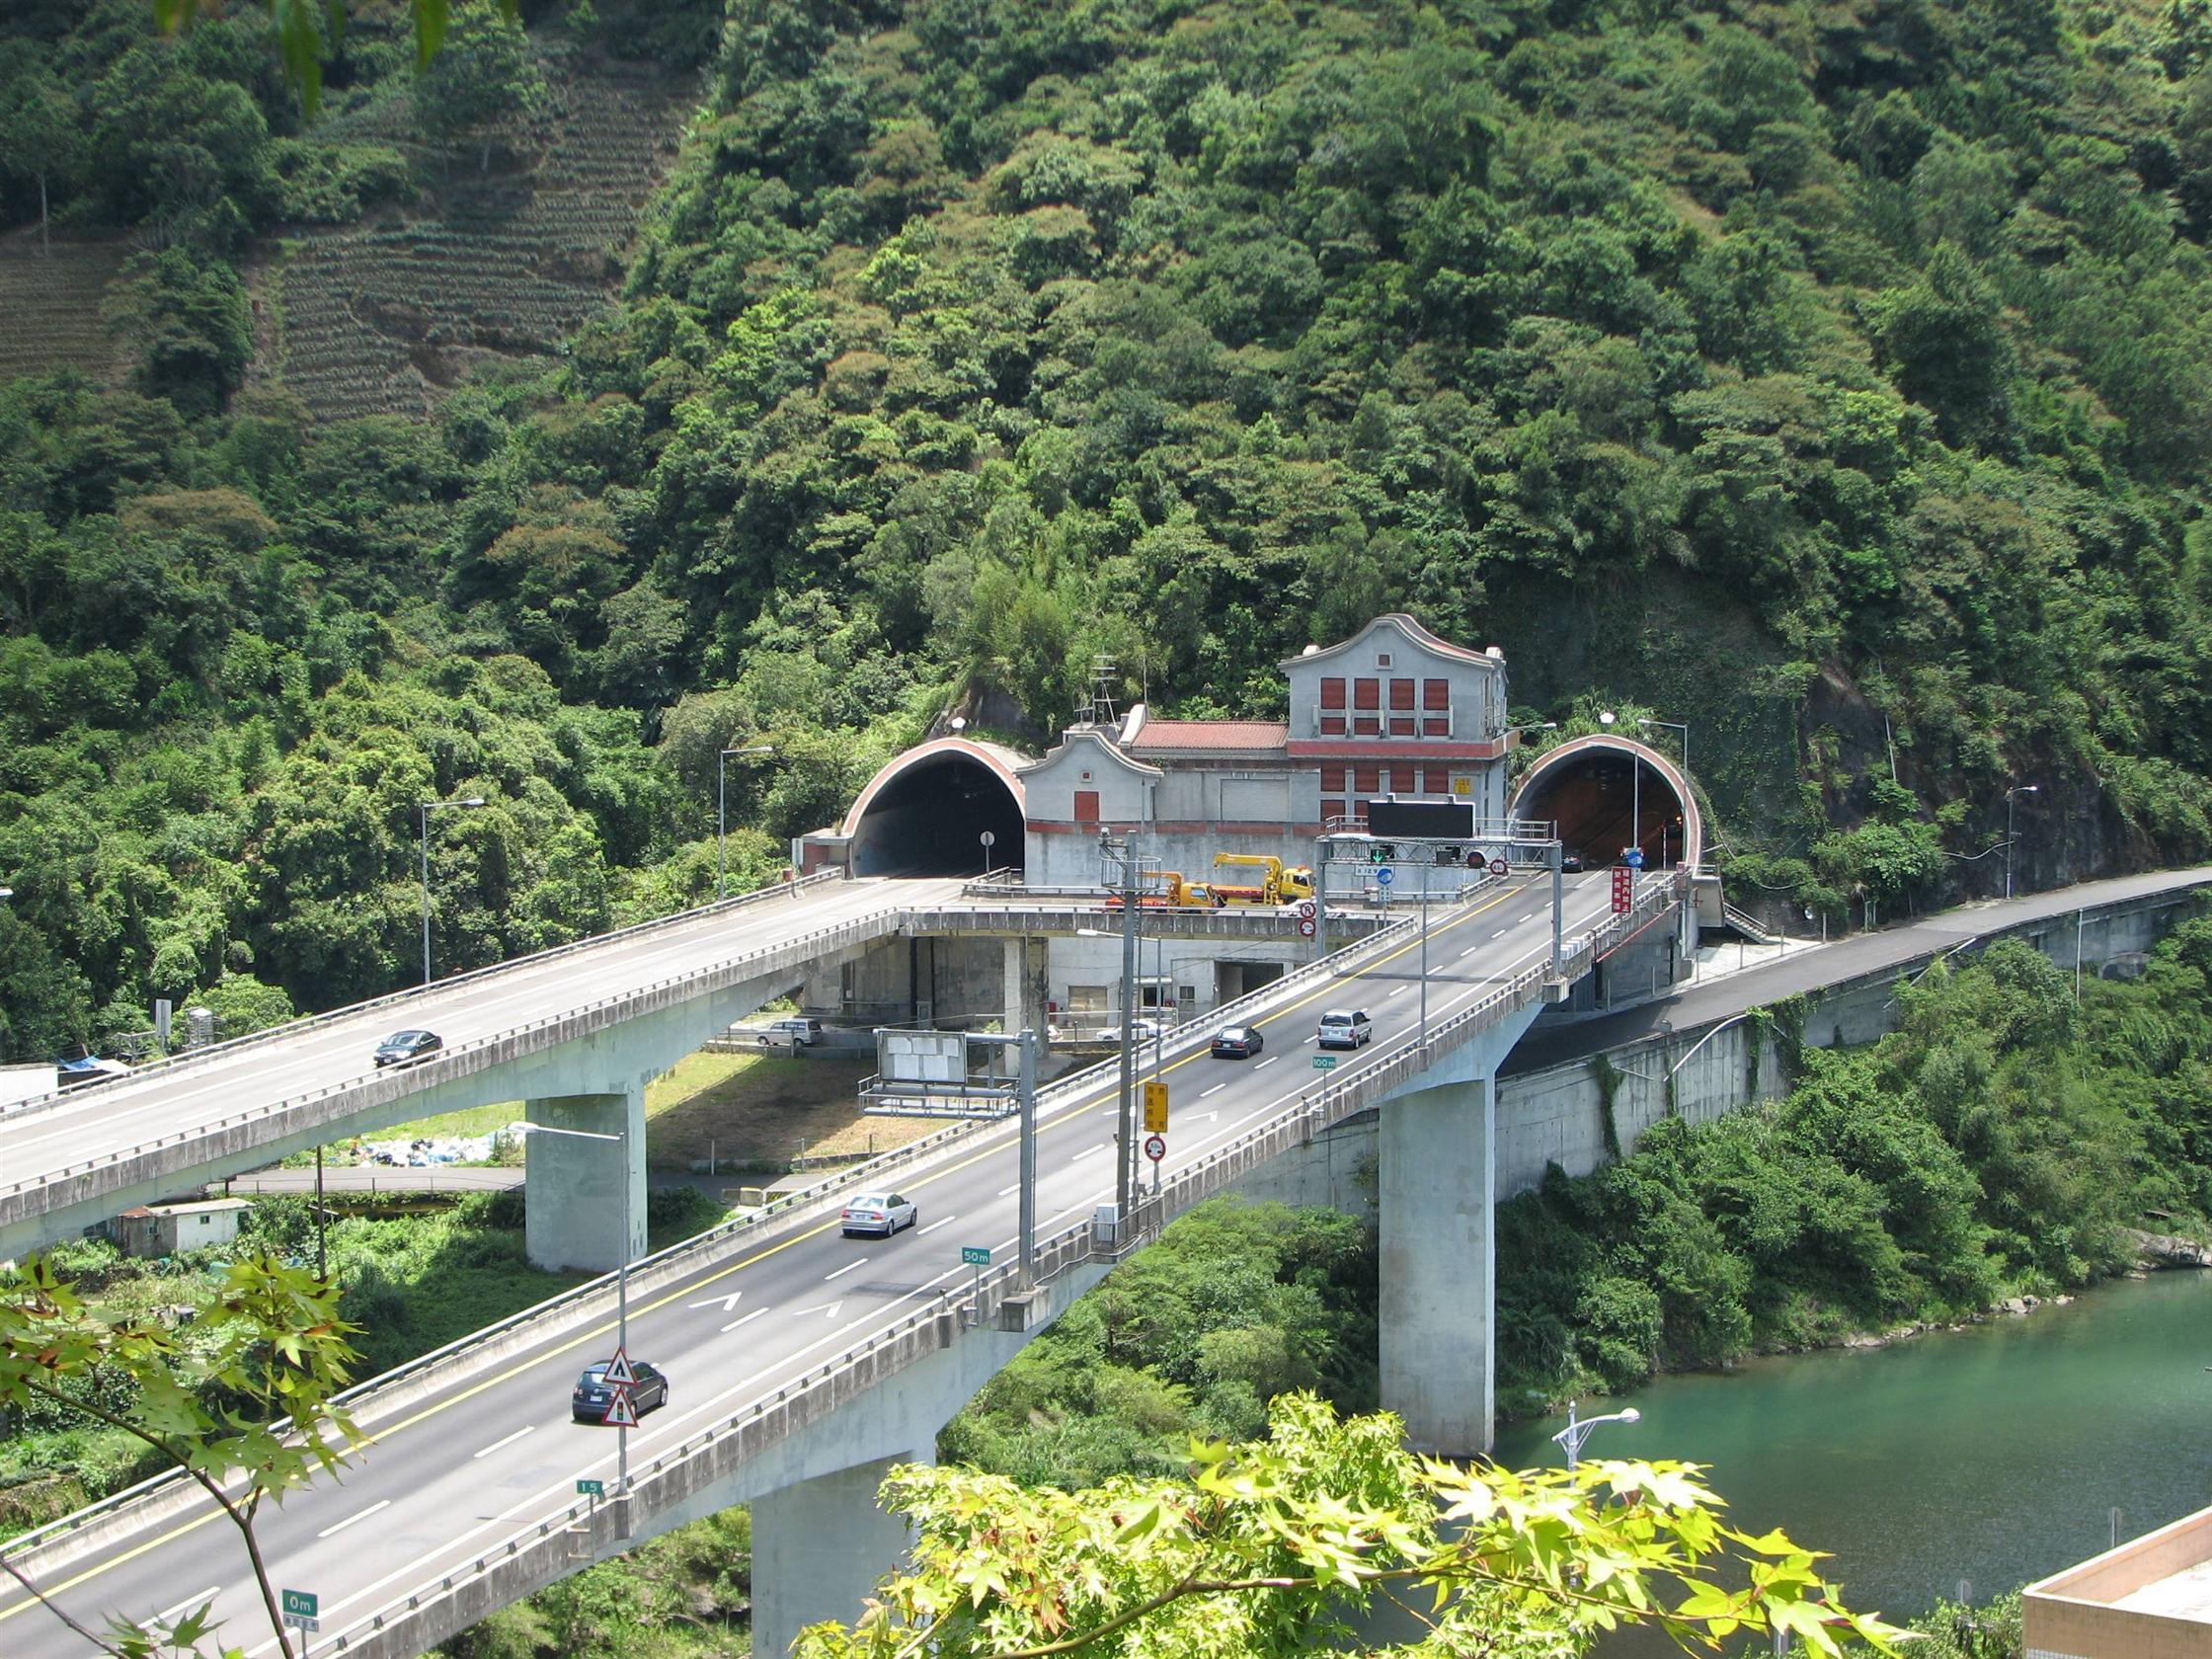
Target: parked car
[593, 1393]
[791, 1034]
[1344, 1028]
[402, 1048]
[883, 1213]
[1238, 1042]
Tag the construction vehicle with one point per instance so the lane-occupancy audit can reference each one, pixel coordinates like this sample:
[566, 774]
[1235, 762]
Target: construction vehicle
[1279, 886]
[1175, 893]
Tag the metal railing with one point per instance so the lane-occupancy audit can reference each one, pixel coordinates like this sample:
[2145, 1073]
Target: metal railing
[293, 1028]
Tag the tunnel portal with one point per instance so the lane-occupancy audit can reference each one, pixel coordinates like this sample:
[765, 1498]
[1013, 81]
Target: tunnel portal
[1608, 794]
[924, 815]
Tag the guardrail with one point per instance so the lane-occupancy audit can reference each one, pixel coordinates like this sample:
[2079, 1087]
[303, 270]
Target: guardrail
[292, 1028]
[541, 1551]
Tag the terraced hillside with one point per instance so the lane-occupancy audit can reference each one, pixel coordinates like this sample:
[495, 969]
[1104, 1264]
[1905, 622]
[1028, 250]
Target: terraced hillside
[380, 317]
[51, 304]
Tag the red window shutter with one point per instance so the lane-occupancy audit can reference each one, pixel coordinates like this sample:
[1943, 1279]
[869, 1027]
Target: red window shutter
[1406, 780]
[1365, 725]
[1440, 781]
[1087, 805]
[1332, 776]
[1436, 725]
[1401, 725]
[1332, 725]
[1367, 779]
[1332, 693]
[1333, 809]
[1367, 693]
[1435, 695]
[1401, 693]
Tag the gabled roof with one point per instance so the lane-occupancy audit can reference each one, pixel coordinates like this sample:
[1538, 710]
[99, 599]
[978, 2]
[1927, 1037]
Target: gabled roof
[1207, 737]
[1412, 631]
[1096, 738]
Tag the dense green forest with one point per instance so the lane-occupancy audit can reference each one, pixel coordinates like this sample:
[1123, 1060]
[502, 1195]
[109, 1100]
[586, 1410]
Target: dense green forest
[1835, 377]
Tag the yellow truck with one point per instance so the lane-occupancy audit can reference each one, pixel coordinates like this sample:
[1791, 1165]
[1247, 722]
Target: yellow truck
[1278, 884]
[1175, 893]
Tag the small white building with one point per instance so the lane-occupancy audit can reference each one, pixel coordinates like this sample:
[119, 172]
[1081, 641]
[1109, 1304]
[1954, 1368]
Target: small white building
[162, 1230]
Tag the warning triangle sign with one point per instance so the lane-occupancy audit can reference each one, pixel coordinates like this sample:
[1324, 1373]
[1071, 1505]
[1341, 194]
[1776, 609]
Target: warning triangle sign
[618, 1372]
[621, 1412]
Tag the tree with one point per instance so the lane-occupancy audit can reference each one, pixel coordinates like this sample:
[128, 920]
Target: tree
[247, 1404]
[1272, 1546]
[40, 135]
[191, 324]
[482, 78]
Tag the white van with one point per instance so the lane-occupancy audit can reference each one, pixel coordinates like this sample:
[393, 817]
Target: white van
[1344, 1028]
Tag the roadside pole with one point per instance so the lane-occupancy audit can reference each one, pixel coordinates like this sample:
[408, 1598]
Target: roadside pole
[1027, 1090]
[1554, 852]
[1424, 959]
[1124, 1131]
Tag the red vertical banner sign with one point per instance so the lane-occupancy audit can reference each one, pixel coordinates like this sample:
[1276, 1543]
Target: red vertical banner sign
[1624, 889]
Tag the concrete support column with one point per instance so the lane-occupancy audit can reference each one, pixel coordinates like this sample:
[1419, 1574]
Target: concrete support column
[1028, 984]
[573, 1187]
[1435, 1182]
[819, 1551]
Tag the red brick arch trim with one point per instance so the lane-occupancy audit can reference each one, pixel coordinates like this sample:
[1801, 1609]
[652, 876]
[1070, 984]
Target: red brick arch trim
[1692, 821]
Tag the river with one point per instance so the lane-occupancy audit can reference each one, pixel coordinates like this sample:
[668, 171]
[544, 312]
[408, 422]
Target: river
[1994, 1455]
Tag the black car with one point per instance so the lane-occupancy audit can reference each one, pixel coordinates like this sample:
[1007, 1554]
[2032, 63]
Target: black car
[1571, 862]
[1238, 1042]
[402, 1047]
[593, 1393]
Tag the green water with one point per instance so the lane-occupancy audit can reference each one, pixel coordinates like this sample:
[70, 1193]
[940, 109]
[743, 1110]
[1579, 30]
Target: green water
[1993, 1455]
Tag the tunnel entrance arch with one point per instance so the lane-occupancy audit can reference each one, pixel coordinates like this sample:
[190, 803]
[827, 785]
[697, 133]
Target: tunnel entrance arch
[1607, 794]
[925, 812]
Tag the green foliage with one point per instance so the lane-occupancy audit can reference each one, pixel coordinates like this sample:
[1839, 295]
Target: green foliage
[1273, 1547]
[2004, 1137]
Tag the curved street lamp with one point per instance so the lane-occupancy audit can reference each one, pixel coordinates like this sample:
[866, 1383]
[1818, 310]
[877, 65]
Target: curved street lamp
[1578, 1429]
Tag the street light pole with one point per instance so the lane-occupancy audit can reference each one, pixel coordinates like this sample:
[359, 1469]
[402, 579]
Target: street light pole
[1125, 1130]
[425, 809]
[1425, 958]
[2017, 789]
[1578, 1429]
[722, 811]
[1682, 725]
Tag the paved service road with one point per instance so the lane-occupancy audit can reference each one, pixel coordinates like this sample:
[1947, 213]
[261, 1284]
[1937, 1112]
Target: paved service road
[1846, 959]
[494, 1447]
[112, 1117]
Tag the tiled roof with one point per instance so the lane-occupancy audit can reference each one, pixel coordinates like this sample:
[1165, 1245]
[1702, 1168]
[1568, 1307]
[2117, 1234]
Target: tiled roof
[1183, 735]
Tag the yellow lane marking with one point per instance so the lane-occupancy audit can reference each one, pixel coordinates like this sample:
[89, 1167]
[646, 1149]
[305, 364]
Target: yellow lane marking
[691, 1287]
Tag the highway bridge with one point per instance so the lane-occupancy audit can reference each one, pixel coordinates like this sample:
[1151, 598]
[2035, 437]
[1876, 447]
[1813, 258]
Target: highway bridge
[801, 1361]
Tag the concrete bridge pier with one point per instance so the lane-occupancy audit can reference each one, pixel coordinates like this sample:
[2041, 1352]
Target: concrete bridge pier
[573, 1187]
[1027, 978]
[1436, 1180]
[820, 1547]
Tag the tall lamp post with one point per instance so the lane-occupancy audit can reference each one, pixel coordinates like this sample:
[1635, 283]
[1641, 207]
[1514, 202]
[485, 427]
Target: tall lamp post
[2017, 789]
[722, 811]
[1578, 1429]
[1682, 725]
[1124, 1133]
[425, 809]
[1607, 719]
[621, 1282]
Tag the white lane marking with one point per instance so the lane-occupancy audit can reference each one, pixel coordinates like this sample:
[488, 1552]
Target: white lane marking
[1092, 1152]
[747, 1320]
[727, 1304]
[829, 1307]
[381, 1503]
[1499, 934]
[172, 1614]
[1265, 1064]
[1215, 1089]
[1399, 992]
[934, 1226]
[1004, 1191]
[497, 1444]
[859, 1261]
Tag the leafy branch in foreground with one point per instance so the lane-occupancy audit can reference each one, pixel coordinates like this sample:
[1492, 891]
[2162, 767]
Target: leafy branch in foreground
[240, 1400]
[1276, 1546]
[309, 31]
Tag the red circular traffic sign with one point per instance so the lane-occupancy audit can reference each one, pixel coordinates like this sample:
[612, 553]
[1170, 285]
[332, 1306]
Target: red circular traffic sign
[1155, 1147]
[1305, 909]
[1498, 866]
[1305, 927]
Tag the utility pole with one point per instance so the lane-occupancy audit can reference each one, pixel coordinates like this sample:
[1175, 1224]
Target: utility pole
[1026, 1088]
[1555, 854]
[1425, 957]
[1124, 1133]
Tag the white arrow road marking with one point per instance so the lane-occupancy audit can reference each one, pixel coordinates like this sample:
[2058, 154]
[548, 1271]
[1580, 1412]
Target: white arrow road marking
[934, 1226]
[829, 1308]
[384, 1503]
[727, 1304]
[497, 1444]
[187, 1605]
[1215, 1089]
[746, 1319]
[1203, 1117]
[861, 1261]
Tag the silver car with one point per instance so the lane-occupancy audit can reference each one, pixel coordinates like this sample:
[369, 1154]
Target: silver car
[883, 1213]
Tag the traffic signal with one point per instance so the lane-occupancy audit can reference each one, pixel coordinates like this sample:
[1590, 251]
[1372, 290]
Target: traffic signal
[1155, 1108]
[1447, 854]
[1382, 852]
